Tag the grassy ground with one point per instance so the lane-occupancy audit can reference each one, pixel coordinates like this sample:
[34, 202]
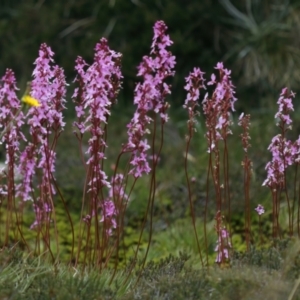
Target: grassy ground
[268, 274]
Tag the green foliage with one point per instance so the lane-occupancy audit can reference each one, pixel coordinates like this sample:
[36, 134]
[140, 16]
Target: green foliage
[259, 274]
[29, 278]
[257, 40]
[73, 28]
[262, 42]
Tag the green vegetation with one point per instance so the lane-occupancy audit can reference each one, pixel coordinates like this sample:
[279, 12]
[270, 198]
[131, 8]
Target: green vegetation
[173, 269]
[259, 43]
[261, 274]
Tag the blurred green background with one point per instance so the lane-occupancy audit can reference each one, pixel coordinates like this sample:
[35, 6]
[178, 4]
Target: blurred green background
[257, 40]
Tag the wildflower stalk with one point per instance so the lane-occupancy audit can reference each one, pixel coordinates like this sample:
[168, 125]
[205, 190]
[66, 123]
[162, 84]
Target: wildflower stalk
[244, 122]
[45, 121]
[99, 85]
[150, 98]
[224, 245]
[155, 157]
[282, 157]
[217, 112]
[11, 118]
[194, 82]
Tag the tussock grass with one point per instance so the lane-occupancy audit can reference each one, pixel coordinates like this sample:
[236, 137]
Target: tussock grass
[249, 277]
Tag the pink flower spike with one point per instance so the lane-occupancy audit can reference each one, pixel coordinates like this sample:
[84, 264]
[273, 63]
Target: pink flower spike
[150, 96]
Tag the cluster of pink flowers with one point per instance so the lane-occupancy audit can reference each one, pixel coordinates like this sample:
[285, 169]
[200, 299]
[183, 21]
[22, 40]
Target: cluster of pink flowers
[99, 85]
[98, 88]
[46, 124]
[150, 97]
[194, 82]
[223, 242]
[27, 165]
[42, 214]
[11, 118]
[217, 108]
[223, 246]
[11, 121]
[117, 192]
[284, 152]
[115, 203]
[108, 217]
[244, 122]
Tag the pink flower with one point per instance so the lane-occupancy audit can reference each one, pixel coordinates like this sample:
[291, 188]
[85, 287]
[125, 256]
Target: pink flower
[285, 106]
[217, 108]
[194, 82]
[108, 216]
[260, 209]
[223, 246]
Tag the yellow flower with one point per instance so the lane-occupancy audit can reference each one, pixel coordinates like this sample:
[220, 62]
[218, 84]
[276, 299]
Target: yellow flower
[30, 100]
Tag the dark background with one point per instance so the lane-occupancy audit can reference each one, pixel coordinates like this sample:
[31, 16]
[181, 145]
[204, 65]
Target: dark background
[257, 40]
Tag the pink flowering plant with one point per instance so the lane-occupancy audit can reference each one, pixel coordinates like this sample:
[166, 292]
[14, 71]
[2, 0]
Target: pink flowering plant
[244, 122]
[98, 87]
[223, 246]
[38, 157]
[151, 108]
[32, 126]
[283, 155]
[11, 121]
[217, 110]
[194, 83]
